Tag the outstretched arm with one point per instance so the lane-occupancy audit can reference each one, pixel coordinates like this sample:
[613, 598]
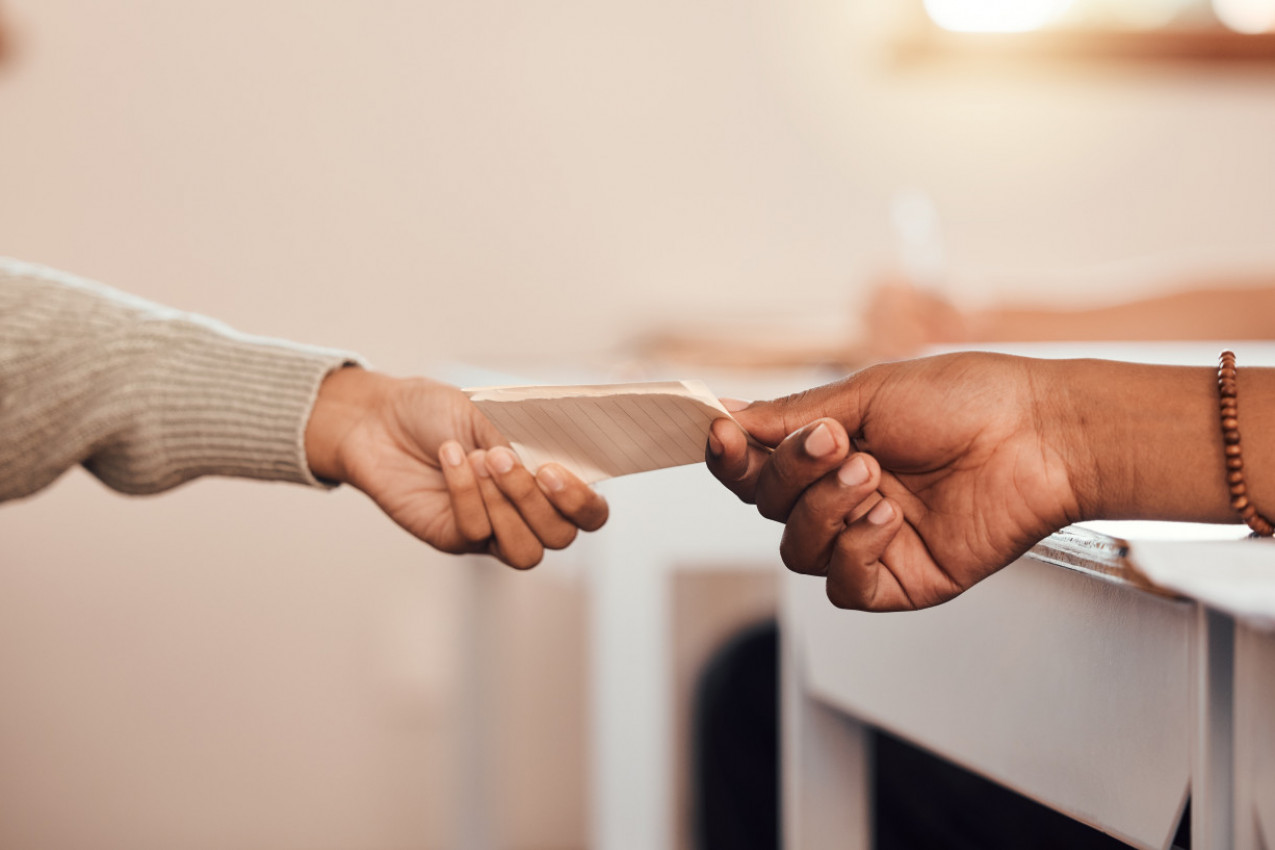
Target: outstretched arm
[901, 320]
[146, 398]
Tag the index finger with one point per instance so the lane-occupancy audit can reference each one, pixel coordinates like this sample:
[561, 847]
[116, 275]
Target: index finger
[733, 459]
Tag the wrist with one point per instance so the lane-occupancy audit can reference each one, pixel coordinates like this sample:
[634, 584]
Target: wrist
[1143, 442]
[1078, 433]
[346, 398]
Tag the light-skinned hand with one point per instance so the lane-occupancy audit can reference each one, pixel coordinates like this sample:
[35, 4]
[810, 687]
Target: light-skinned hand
[429, 458]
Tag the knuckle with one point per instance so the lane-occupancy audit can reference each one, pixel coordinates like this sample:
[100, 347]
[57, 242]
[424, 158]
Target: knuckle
[789, 557]
[517, 487]
[836, 596]
[843, 599]
[771, 509]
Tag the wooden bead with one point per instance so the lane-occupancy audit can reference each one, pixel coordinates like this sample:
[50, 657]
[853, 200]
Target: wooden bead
[1228, 407]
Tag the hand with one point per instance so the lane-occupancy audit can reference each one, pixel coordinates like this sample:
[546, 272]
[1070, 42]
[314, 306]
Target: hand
[922, 477]
[901, 320]
[426, 455]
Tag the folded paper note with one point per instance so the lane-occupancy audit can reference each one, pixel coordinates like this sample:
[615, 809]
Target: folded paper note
[606, 430]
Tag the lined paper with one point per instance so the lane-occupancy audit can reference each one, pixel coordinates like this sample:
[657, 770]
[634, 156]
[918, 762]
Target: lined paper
[602, 431]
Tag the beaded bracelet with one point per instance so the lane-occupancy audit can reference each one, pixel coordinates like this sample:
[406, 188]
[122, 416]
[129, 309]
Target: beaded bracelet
[1226, 389]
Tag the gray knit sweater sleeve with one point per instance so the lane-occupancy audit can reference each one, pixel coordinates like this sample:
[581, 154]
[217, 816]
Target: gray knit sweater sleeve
[144, 396]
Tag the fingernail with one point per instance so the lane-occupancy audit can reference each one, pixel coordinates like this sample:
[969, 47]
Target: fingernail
[480, 464]
[501, 460]
[881, 514]
[734, 405]
[853, 472]
[452, 454]
[551, 478]
[714, 445]
[820, 441]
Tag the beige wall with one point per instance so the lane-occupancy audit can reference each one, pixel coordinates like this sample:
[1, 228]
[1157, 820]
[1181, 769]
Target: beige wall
[241, 665]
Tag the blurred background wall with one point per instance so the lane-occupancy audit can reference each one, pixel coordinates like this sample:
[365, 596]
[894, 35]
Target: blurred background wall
[243, 666]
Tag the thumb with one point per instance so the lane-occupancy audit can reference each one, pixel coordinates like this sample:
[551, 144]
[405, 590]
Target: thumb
[769, 422]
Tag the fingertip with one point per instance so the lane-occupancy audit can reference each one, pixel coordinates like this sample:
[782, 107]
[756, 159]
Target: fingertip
[727, 449]
[526, 560]
[501, 460]
[819, 441]
[451, 454]
[463, 490]
[855, 472]
[585, 507]
[550, 479]
[601, 513]
[882, 514]
[715, 447]
[478, 460]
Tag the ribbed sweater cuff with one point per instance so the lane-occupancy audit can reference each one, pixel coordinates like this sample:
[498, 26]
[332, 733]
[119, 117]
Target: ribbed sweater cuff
[218, 403]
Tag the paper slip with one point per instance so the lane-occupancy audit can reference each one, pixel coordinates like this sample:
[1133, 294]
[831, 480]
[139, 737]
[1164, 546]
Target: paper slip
[605, 430]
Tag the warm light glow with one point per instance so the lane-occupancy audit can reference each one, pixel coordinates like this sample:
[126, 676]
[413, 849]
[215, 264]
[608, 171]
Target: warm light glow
[995, 15]
[1148, 14]
[1248, 16]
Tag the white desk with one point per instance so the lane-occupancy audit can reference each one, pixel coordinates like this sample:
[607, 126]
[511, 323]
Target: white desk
[1254, 739]
[1081, 691]
[1086, 694]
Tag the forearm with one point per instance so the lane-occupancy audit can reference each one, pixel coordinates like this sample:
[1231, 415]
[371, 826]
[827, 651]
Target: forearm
[1238, 312]
[145, 397]
[1146, 441]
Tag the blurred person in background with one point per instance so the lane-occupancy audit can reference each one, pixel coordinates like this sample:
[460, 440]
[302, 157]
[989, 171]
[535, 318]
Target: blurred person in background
[901, 319]
[6, 38]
